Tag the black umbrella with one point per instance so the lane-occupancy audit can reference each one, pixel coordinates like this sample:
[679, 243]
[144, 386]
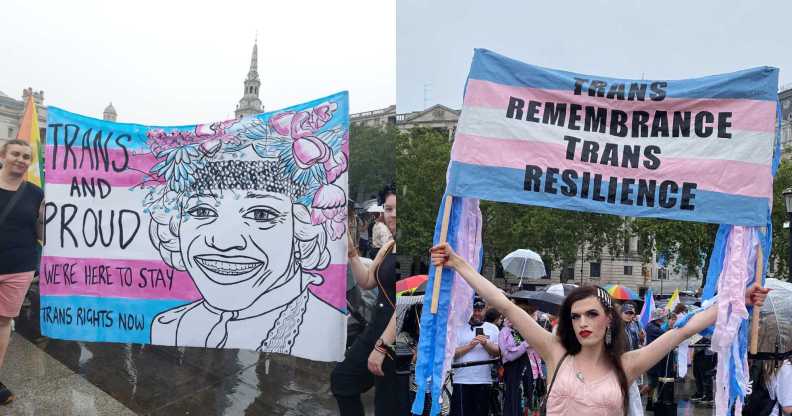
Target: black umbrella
[544, 301]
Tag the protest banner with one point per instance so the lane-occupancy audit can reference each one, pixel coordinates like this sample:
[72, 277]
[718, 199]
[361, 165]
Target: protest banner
[702, 149]
[222, 235]
[697, 150]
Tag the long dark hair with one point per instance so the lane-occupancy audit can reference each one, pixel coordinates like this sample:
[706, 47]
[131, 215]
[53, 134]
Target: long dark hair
[614, 350]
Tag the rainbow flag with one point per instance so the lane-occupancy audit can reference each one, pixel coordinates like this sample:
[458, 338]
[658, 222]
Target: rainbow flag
[29, 132]
[695, 149]
[648, 307]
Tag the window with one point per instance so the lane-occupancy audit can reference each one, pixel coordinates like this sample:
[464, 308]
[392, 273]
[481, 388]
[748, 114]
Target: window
[628, 270]
[567, 274]
[662, 274]
[594, 270]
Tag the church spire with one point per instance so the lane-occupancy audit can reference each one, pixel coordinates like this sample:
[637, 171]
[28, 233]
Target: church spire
[250, 102]
[253, 73]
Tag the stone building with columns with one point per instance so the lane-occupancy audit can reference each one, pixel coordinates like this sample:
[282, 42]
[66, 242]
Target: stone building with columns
[785, 98]
[11, 111]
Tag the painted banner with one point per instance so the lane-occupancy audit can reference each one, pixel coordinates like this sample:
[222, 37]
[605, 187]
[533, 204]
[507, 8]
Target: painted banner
[696, 149]
[222, 235]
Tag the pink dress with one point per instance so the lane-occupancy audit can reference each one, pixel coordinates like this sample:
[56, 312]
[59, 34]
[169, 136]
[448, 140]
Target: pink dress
[572, 397]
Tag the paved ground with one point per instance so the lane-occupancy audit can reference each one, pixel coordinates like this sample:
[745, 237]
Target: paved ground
[151, 380]
[44, 386]
[54, 377]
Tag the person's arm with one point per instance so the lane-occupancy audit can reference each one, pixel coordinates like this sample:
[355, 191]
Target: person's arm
[509, 350]
[544, 342]
[460, 351]
[359, 270]
[365, 275]
[638, 361]
[377, 357]
[491, 347]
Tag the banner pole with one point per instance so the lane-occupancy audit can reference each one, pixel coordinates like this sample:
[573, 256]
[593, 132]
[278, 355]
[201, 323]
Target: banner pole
[443, 238]
[756, 309]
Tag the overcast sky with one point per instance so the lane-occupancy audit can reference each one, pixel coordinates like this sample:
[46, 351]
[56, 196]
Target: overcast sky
[183, 62]
[623, 39]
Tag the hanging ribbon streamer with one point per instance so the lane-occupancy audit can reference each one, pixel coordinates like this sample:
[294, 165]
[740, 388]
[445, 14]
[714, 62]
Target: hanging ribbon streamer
[436, 345]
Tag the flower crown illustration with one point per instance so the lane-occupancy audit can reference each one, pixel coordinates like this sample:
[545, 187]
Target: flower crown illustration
[295, 157]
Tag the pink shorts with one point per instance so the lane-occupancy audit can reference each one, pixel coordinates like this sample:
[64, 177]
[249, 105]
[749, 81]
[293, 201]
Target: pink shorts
[13, 288]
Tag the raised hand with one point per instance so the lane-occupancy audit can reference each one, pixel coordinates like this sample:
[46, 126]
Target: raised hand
[756, 295]
[444, 255]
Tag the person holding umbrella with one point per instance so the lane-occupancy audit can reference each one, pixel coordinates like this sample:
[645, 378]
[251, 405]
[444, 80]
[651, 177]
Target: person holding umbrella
[588, 369]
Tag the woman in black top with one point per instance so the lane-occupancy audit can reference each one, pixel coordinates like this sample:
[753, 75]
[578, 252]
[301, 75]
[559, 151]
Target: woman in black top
[21, 224]
[369, 361]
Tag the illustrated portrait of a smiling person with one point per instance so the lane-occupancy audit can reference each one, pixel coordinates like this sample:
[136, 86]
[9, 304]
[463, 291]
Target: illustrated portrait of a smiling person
[248, 212]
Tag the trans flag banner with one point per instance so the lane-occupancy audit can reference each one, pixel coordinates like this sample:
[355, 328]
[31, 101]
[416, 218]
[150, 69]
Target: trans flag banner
[701, 150]
[222, 235]
[695, 149]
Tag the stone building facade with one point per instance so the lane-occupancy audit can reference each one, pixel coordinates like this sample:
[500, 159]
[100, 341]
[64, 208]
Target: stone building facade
[11, 111]
[785, 98]
[375, 118]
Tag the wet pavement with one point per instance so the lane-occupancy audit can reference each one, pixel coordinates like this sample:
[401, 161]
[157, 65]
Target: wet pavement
[79, 378]
[44, 386]
[155, 380]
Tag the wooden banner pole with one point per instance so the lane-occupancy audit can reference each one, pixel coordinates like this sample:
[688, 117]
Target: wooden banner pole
[756, 309]
[443, 238]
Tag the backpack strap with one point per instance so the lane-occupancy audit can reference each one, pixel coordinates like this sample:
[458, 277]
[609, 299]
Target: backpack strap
[543, 406]
[13, 201]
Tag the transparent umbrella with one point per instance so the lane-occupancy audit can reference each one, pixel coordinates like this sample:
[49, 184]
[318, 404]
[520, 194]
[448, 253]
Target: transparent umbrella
[775, 325]
[560, 289]
[524, 263]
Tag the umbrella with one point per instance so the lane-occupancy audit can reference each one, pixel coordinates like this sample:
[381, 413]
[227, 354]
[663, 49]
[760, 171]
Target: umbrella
[775, 325]
[544, 301]
[620, 292]
[560, 289]
[411, 285]
[524, 263]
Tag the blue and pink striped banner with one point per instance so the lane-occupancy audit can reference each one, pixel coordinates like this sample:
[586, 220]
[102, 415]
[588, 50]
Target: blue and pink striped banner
[701, 149]
[698, 149]
[160, 234]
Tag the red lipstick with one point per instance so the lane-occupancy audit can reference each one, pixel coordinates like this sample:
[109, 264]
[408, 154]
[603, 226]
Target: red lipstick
[584, 333]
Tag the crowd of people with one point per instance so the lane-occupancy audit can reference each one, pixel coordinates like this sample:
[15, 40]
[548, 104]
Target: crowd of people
[511, 359]
[511, 378]
[594, 358]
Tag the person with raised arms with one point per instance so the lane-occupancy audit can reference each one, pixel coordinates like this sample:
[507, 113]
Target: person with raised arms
[589, 371]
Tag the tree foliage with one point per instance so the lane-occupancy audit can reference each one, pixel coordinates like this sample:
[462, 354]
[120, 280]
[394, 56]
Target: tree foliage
[423, 156]
[372, 161]
[779, 254]
[557, 235]
[685, 245]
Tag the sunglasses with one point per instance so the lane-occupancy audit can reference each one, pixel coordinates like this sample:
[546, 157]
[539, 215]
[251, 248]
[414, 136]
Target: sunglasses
[628, 313]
